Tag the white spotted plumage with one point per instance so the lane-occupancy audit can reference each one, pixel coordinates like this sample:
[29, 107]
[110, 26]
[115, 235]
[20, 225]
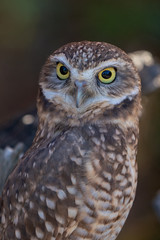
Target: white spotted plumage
[78, 179]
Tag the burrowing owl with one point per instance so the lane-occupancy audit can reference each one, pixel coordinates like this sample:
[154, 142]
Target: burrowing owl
[78, 180]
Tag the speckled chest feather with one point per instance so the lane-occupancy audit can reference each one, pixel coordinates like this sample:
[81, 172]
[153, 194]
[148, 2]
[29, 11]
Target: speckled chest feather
[86, 192]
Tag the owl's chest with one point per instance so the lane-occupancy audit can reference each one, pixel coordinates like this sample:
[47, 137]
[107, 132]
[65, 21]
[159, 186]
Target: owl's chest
[110, 182]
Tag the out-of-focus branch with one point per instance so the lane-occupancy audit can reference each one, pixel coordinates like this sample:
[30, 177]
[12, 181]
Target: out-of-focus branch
[156, 204]
[8, 159]
[149, 70]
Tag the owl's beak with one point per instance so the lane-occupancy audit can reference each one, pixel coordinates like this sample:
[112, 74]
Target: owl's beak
[79, 91]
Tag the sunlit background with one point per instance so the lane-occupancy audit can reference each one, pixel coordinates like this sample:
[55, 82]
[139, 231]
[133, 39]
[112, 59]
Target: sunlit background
[30, 30]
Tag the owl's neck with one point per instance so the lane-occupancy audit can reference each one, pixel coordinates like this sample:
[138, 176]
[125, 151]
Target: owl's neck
[54, 119]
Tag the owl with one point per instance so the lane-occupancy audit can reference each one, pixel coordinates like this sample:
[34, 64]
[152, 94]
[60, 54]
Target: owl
[78, 179]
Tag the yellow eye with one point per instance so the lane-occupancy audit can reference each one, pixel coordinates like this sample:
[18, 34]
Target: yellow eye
[107, 75]
[62, 71]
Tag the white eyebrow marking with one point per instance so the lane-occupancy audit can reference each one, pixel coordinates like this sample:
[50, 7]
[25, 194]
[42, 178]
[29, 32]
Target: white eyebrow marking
[89, 73]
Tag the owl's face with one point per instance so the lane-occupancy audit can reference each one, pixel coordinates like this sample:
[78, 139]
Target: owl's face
[85, 74]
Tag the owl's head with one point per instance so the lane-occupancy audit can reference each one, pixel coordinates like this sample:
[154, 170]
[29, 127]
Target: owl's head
[86, 75]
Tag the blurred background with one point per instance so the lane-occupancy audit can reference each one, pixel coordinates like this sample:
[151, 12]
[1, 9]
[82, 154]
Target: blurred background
[31, 30]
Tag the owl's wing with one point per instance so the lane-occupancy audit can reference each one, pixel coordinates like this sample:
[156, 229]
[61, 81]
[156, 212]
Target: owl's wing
[54, 198]
[55, 187]
[40, 195]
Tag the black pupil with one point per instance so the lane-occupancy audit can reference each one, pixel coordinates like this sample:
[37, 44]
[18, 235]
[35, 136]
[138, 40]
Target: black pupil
[63, 70]
[106, 74]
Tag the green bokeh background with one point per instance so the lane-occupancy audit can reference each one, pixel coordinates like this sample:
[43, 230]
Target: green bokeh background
[30, 30]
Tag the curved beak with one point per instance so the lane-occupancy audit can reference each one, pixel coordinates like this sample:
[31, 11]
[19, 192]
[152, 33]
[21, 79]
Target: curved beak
[79, 91]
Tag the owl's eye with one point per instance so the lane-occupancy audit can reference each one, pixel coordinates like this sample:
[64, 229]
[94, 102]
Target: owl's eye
[62, 71]
[107, 75]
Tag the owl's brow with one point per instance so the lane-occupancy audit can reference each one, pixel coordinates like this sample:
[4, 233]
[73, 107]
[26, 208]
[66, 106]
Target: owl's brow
[91, 71]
